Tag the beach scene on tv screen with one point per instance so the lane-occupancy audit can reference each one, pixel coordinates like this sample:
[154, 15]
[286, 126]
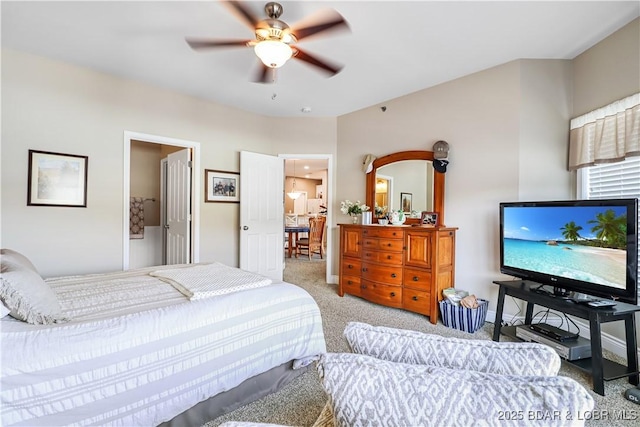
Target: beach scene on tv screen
[586, 243]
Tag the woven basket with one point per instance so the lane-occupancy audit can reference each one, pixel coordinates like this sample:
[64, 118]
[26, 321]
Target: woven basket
[462, 318]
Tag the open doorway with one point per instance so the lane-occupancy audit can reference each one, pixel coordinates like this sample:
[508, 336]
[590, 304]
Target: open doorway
[148, 162]
[307, 178]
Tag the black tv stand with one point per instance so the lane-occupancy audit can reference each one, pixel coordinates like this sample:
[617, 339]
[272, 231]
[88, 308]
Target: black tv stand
[601, 369]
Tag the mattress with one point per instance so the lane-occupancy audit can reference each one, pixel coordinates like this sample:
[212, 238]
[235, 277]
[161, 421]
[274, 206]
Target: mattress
[138, 352]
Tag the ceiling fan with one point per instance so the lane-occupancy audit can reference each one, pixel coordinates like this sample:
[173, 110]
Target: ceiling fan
[275, 42]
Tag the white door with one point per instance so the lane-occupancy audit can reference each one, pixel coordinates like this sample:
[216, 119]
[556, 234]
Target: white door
[178, 223]
[262, 214]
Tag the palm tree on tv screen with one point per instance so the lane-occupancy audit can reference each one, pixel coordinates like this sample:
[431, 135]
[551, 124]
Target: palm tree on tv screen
[571, 231]
[610, 229]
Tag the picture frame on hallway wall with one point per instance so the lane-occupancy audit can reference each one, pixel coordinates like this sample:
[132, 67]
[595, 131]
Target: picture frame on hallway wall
[221, 186]
[405, 202]
[57, 179]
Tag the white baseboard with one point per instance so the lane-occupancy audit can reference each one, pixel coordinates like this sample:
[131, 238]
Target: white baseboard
[609, 342]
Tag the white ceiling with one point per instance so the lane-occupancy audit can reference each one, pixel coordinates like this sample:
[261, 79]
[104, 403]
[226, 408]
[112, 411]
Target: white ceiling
[393, 48]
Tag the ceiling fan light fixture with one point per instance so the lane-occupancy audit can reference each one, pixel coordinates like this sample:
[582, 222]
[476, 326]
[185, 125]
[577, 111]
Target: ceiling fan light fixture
[273, 53]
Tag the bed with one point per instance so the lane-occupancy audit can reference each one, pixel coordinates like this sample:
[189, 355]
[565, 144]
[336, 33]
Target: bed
[129, 348]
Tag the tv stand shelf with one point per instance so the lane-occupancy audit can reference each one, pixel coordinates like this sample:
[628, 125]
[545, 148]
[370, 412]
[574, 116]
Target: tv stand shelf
[601, 369]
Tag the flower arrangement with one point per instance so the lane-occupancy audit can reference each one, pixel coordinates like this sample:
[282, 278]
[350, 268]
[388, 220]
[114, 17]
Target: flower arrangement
[349, 208]
[379, 210]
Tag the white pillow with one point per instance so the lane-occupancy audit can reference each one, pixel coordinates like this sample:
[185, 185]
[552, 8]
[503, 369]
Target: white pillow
[25, 293]
[12, 256]
[364, 390]
[400, 345]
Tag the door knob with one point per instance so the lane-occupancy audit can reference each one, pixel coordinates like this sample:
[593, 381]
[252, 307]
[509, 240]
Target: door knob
[245, 228]
[166, 226]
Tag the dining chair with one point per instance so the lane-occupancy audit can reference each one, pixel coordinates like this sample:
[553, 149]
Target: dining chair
[314, 243]
[290, 220]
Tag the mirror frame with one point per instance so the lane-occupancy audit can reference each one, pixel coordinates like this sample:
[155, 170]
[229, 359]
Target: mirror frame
[438, 181]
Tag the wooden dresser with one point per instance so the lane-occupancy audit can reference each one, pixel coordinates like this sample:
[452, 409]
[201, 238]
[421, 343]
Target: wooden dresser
[397, 266]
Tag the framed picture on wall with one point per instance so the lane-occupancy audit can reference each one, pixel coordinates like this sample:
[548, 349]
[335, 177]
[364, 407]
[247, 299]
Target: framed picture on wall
[429, 219]
[57, 179]
[405, 201]
[221, 186]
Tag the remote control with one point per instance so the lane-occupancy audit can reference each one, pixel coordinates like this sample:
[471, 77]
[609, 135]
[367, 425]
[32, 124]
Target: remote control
[601, 303]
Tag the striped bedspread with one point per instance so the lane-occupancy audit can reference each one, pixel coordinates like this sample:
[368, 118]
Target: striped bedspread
[195, 283]
[138, 352]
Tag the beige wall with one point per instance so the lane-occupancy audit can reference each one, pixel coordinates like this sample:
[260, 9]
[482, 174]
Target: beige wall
[302, 184]
[608, 71]
[487, 118]
[53, 106]
[145, 178]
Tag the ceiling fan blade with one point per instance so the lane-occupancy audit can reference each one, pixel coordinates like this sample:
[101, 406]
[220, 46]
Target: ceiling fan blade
[315, 61]
[322, 21]
[242, 13]
[209, 43]
[265, 74]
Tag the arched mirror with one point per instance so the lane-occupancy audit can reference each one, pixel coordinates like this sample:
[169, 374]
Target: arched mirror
[406, 180]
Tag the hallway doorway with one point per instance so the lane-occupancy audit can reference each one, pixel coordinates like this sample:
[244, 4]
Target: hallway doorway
[145, 177]
[310, 175]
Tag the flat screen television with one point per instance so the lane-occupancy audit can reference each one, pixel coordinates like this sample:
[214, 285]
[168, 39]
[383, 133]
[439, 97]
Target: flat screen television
[582, 246]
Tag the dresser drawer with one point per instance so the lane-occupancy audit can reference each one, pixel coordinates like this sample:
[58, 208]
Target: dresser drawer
[417, 279]
[379, 231]
[388, 295]
[416, 301]
[394, 245]
[382, 273]
[350, 266]
[351, 285]
[391, 258]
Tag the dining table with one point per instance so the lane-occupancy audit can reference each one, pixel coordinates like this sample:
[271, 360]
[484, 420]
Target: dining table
[292, 235]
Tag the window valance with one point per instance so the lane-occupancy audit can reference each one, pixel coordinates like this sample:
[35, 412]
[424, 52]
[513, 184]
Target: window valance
[608, 134]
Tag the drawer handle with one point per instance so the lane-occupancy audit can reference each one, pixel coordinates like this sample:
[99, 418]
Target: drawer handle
[393, 294]
[350, 266]
[363, 286]
[415, 298]
[415, 278]
[349, 282]
[364, 269]
[393, 275]
[389, 244]
[389, 257]
[394, 233]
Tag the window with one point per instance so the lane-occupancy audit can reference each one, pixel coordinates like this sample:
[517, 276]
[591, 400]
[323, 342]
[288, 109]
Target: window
[620, 180]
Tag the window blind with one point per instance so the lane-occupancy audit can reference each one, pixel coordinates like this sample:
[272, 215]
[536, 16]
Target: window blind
[620, 180]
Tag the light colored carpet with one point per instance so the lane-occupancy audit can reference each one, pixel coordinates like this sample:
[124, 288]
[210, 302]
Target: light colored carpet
[299, 403]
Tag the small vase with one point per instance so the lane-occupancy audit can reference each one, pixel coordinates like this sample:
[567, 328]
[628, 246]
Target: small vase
[355, 219]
